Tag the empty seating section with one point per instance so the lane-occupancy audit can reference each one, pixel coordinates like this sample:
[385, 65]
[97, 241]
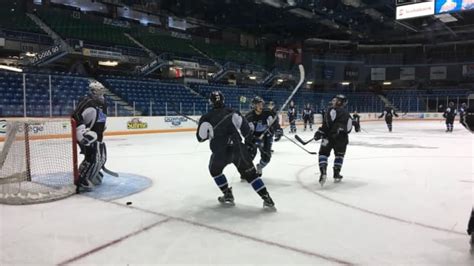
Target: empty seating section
[17, 20]
[84, 27]
[222, 52]
[154, 97]
[357, 101]
[65, 91]
[232, 53]
[164, 98]
[163, 43]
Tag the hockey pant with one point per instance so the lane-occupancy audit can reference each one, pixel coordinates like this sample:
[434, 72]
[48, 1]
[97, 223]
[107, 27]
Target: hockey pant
[292, 124]
[238, 155]
[388, 120]
[339, 146]
[265, 151]
[95, 157]
[449, 123]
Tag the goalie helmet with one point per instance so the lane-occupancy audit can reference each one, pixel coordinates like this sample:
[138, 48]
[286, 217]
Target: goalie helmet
[96, 89]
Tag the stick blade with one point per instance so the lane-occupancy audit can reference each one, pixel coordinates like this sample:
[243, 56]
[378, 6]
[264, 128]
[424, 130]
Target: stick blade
[110, 172]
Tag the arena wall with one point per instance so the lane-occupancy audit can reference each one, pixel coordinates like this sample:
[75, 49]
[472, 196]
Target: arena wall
[171, 124]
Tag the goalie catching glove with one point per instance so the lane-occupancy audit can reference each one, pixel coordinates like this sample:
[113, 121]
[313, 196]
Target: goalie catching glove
[85, 136]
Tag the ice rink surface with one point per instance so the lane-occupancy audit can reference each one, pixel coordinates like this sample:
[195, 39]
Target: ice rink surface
[405, 199]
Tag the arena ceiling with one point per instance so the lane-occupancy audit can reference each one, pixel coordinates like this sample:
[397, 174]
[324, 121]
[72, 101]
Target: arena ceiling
[364, 21]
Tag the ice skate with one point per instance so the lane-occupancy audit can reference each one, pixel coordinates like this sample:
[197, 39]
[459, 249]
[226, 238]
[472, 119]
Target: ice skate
[268, 203]
[337, 175]
[227, 198]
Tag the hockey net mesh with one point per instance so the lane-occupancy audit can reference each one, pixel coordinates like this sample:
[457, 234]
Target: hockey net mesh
[37, 161]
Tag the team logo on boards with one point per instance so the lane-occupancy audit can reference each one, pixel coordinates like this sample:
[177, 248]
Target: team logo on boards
[3, 126]
[175, 121]
[136, 123]
[33, 127]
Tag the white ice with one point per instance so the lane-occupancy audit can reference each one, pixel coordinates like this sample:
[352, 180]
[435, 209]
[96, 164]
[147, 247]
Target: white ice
[405, 199]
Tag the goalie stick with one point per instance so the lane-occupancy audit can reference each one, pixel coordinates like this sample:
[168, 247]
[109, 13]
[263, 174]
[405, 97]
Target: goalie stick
[109, 172]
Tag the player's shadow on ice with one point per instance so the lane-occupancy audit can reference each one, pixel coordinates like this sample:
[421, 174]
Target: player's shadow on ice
[217, 212]
[346, 184]
[392, 146]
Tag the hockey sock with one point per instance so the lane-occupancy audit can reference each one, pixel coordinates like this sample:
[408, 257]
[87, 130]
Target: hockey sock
[338, 161]
[221, 182]
[323, 161]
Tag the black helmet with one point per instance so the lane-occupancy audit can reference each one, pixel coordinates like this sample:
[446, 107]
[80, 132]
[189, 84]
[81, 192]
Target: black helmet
[342, 98]
[216, 98]
[256, 100]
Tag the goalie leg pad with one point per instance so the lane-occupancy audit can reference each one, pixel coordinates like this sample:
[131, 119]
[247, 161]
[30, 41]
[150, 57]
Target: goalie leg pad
[92, 163]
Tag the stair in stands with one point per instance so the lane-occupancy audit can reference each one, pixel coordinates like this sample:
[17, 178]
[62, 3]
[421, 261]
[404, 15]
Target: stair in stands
[120, 102]
[57, 51]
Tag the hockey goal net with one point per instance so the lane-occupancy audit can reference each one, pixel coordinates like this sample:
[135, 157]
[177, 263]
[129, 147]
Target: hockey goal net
[38, 160]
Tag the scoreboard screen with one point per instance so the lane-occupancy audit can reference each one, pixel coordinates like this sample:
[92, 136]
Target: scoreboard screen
[443, 6]
[414, 8]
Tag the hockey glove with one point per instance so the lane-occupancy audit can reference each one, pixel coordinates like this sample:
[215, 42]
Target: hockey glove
[319, 135]
[278, 134]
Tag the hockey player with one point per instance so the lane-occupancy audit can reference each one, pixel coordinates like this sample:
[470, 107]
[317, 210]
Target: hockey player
[90, 116]
[334, 135]
[261, 122]
[308, 117]
[223, 128]
[388, 113]
[356, 121]
[276, 124]
[467, 120]
[292, 117]
[450, 115]
[462, 111]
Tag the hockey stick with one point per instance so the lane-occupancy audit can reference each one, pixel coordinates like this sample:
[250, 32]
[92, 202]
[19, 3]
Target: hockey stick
[301, 147]
[295, 90]
[183, 115]
[302, 141]
[197, 122]
[109, 172]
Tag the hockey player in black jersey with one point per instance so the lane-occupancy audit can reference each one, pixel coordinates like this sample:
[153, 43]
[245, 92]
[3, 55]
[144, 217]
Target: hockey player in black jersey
[223, 128]
[450, 115]
[389, 113]
[334, 135]
[90, 116]
[356, 121]
[278, 130]
[261, 122]
[308, 117]
[292, 117]
[467, 120]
